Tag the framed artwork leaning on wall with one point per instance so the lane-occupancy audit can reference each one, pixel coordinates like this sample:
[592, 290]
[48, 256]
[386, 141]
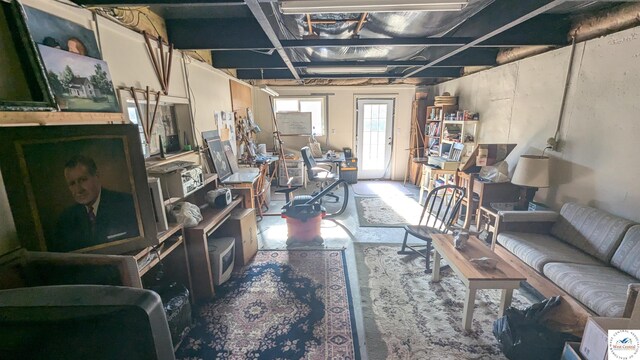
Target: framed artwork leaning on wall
[78, 188]
[23, 83]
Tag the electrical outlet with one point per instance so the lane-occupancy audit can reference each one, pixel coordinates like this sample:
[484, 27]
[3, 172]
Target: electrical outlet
[333, 131]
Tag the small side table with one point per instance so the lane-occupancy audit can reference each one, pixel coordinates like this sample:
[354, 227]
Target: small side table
[488, 218]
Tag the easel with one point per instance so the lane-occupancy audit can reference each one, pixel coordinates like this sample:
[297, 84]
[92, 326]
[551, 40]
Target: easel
[415, 138]
[279, 142]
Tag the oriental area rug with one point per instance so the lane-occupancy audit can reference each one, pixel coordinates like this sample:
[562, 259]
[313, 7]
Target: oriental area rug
[387, 211]
[293, 304]
[408, 317]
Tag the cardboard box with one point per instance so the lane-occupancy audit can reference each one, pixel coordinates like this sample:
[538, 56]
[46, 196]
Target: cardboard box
[243, 227]
[571, 351]
[595, 340]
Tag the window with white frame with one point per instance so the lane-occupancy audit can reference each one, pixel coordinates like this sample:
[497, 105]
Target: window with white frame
[314, 105]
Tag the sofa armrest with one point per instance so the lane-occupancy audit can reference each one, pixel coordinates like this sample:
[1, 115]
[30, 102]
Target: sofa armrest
[632, 298]
[538, 222]
[528, 216]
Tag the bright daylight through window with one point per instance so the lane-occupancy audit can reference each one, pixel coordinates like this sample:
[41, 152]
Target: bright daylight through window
[316, 106]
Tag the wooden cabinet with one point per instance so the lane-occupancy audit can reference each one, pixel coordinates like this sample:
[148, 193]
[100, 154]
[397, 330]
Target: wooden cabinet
[489, 192]
[198, 251]
[167, 262]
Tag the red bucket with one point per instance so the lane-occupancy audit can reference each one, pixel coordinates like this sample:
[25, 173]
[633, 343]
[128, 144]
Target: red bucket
[304, 231]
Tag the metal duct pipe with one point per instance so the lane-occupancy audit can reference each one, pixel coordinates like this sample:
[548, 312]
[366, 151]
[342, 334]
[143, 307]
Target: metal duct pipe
[513, 54]
[468, 70]
[606, 22]
[583, 28]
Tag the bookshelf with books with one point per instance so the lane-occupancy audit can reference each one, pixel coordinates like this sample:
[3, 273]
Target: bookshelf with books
[458, 132]
[434, 125]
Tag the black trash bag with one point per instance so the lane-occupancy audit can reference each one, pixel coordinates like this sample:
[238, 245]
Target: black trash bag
[522, 336]
[177, 307]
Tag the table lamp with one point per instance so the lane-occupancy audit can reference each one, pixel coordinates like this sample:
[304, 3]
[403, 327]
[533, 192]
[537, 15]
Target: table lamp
[532, 172]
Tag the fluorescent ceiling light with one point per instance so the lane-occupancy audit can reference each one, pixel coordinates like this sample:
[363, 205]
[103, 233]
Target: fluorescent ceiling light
[346, 70]
[361, 6]
[269, 91]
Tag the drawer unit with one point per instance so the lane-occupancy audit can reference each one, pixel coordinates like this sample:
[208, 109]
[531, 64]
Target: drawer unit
[293, 164]
[296, 181]
[296, 170]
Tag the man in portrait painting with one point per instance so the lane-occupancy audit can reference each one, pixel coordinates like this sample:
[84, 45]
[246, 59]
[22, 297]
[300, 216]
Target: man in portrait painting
[99, 216]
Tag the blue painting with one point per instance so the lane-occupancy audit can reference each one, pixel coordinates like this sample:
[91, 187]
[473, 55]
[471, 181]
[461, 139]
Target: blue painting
[79, 83]
[56, 32]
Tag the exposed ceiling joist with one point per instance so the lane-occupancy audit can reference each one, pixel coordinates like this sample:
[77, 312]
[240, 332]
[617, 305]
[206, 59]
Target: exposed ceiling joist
[270, 74]
[256, 10]
[246, 34]
[220, 34]
[498, 17]
[256, 60]
[255, 38]
[158, 2]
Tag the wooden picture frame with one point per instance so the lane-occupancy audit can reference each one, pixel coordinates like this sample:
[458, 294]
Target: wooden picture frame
[23, 83]
[219, 158]
[79, 93]
[51, 187]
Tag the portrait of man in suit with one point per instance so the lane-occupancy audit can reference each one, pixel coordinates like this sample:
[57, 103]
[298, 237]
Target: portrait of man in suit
[98, 216]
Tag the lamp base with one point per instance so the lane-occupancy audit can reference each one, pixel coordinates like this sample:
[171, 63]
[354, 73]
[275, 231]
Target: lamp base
[526, 196]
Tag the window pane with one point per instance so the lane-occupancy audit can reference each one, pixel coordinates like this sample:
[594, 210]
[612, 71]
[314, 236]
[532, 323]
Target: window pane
[315, 108]
[286, 105]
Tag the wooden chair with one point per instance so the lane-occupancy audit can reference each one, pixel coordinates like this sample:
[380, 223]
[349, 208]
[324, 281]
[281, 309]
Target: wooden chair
[465, 181]
[260, 190]
[438, 214]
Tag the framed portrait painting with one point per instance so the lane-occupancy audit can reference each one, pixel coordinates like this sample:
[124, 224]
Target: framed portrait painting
[78, 188]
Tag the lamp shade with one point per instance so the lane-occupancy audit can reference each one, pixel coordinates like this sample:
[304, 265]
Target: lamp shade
[532, 171]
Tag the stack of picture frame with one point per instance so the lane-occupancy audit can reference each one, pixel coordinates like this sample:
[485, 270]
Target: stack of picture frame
[220, 154]
[52, 64]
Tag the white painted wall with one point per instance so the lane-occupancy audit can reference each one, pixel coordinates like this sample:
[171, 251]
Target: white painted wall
[519, 103]
[130, 65]
[342, 118]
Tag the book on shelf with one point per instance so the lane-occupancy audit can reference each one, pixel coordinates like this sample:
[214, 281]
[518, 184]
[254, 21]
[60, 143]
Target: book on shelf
[433, 129]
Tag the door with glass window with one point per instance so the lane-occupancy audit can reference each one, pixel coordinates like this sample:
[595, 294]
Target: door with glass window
[374, 132]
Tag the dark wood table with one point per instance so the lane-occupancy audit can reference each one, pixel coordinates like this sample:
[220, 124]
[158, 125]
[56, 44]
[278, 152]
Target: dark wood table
[489, 192]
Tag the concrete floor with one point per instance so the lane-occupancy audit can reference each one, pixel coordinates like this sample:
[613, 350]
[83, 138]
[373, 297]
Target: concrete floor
[339, 233]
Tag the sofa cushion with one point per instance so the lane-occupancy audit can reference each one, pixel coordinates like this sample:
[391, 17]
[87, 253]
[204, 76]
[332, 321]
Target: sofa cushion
[602, 289]
[627, 256]
[593, 231]
[537, 250]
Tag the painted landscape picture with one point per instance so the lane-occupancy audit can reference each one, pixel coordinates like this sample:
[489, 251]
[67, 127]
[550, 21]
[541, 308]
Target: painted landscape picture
[79, 83]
